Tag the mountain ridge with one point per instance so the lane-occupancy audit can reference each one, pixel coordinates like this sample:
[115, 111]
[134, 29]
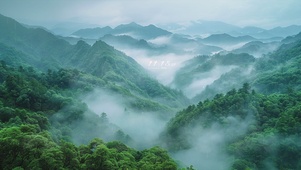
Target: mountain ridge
[100, 60]
[133, 29]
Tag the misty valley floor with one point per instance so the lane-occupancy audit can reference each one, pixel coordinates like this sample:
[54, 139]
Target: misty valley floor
[142, 97]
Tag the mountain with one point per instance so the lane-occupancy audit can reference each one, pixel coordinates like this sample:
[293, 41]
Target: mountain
[53, 93]
[275, 72]
[280, 70]
[100, 60]
[125, 41]
[225, 39]
[209, 75]
[241, 128]
[93, 33]
[34, 42]
[257, 48]
[57, 100]
[201, 71]
[206, 27]
[285, 31]
[191, 45]
[291, 39]
[154, 48]
[251, 30]
[44, 114]
[67, 28]
[260, 33]
[132, 29]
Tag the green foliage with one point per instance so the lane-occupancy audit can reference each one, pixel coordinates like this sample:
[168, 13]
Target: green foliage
[280, 70]
[32, 104]
[273, 135]
[106, 67]
[42, 77]
[200, 65]
[29, 148]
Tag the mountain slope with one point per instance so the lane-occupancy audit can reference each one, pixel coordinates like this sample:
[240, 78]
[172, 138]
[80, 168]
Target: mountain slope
[206, 27]
[131, 29]
[100, 60]
[216, 27]
[42, 113]
[291, 39]
[257, 48]
[125, 42]
[93, 33]
[201, 71]
[273, 73]
[223, 39]
[240, 129]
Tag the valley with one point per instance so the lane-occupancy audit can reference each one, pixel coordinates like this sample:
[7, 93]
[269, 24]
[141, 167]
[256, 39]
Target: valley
[205, 95]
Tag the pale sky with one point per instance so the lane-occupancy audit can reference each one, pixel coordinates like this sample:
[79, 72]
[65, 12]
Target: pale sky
[262, 13]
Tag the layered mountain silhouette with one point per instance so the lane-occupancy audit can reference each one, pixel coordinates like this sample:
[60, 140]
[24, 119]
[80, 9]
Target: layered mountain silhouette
[132, 29]
[41, 49]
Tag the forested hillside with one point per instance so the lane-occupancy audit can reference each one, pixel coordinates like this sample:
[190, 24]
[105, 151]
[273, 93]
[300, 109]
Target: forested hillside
[256, 126]
[272, 73]
[247, 130]
[43, 50]
[39, 117]
[91, 106]
[44, 121]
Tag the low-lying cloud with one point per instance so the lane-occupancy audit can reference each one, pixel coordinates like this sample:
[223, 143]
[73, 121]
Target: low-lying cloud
[142, 127]
[208, 144]
[204, 79]
[162, 67]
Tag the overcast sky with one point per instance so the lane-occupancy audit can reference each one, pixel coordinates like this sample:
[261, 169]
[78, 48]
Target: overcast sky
[262, 13]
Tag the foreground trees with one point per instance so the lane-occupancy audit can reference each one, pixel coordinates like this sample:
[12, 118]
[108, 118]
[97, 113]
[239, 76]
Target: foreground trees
[26, 147]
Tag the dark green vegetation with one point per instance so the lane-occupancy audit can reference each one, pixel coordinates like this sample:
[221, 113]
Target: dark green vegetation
[272, 73]
[202, 67]
[38, 113]
[45, 123]
[27, 147]
[255, 129]
[257, 48]
[112, 68]
[42, 80]
[268, 136]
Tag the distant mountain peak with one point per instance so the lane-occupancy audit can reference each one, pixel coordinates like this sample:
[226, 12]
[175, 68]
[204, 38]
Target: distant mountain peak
[129, 25]
[81, 43]
[107, 27]
[152, 26]
[99, 43]
[223, 35]
[134, 24]
[131, 29]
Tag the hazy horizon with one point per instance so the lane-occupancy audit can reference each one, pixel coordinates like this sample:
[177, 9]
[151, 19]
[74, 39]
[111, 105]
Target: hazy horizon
[265, 14]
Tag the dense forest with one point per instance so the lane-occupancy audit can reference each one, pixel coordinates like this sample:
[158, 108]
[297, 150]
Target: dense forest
[38, 112]
[42, 111]
[259, 131]
[249, 118]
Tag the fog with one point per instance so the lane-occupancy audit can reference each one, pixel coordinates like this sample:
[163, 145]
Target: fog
[162, 67]
[208, 149]
[142, 127]
[162, 40]
[243, 13]
[202, 80]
